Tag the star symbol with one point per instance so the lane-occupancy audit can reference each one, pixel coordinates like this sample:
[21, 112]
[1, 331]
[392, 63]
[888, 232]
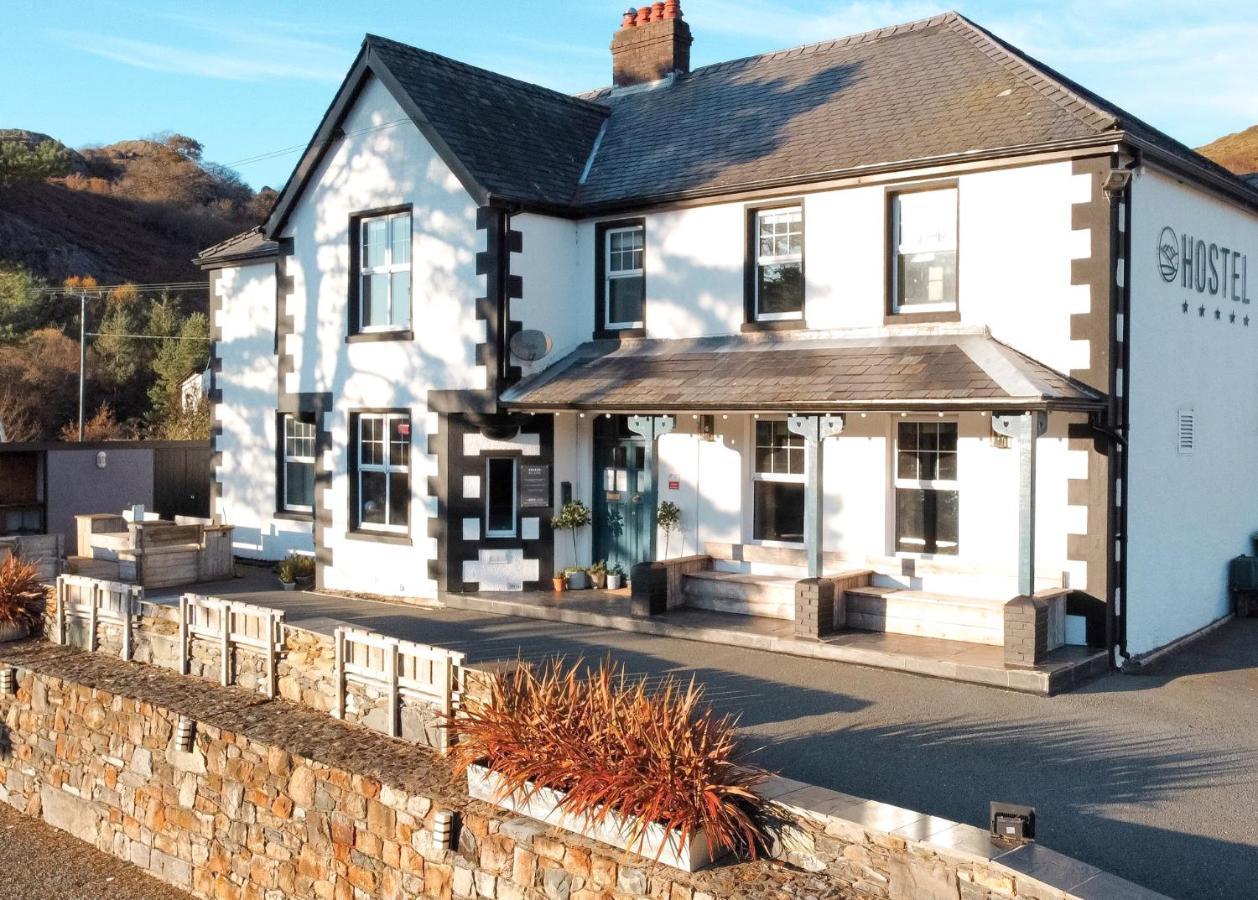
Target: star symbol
[1247, 321]
[1185, 306]
[1232, 317]
[1201, 311]
[1217, 315]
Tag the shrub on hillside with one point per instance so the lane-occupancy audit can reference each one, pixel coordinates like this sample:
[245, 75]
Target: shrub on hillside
[610, 745]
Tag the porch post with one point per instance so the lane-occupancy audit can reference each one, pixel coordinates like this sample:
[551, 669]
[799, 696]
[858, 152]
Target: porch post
[814, 430]
[652, 428]
[1025, 428]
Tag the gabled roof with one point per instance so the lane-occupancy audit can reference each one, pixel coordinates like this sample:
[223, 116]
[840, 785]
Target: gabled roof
[929, 92]
[801, 371]
[247, 245]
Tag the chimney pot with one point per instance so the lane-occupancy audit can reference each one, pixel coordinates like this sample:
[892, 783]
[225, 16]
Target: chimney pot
[652, 43]
[627, 20]
[657, 11]
[672, 9]
[644, 15]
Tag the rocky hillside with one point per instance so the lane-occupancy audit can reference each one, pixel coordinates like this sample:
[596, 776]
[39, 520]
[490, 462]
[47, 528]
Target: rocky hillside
[133, 211]
[1237, 152]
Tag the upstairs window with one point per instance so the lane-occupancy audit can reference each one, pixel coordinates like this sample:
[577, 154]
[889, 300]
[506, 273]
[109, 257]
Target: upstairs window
[383, 476]
[298, 465]
[924, 248]
[926, 497]
[626, 279]
[384, 272]
[779, 275]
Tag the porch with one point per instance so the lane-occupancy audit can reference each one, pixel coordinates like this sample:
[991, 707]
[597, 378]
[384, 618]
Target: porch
[1060, 670]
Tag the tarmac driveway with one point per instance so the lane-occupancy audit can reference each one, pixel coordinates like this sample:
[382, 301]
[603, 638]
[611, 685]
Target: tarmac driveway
[1150, 776]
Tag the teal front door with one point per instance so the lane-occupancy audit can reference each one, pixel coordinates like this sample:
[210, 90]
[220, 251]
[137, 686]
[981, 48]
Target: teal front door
[624, 507]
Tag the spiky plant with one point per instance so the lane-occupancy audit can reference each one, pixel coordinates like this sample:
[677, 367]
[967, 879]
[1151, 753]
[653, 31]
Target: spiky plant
[608, 744]
[22, 595]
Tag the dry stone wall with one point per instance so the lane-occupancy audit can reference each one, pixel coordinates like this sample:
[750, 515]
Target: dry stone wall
[276, 800]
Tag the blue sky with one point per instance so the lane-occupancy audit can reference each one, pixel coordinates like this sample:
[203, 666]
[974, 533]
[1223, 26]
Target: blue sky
[253, 78]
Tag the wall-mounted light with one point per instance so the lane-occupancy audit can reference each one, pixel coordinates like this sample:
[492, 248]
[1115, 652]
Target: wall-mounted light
[443, 830]
[102, 459]
[7, 682]
[185, 732]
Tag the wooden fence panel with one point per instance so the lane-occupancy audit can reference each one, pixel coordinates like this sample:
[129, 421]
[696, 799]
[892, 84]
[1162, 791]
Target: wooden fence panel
[95, 601]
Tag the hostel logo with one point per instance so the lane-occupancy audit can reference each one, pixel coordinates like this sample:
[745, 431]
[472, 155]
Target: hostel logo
[1168, 254]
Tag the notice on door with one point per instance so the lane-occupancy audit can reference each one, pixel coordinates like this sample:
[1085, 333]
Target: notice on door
[534, 486]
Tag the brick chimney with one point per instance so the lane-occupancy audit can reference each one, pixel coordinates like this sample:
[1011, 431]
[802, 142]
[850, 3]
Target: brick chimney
[653, 42]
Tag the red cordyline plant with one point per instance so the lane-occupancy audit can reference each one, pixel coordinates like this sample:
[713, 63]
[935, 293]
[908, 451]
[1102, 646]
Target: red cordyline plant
[22, 595]
[608, 745]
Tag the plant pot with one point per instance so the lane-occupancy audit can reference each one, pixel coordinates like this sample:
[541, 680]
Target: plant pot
[560, 583]
[542, 804]
[579, 581]
[14, 631]
[599, 579]
[289, 585]
[615, 582]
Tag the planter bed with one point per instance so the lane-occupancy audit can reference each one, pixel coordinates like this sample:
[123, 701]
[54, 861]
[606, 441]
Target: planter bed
[617, 830]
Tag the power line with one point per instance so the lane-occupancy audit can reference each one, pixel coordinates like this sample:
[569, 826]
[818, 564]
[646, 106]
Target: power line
[149, 337]
[151, 288]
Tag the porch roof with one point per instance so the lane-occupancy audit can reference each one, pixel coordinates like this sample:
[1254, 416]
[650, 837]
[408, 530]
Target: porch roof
[800, 371]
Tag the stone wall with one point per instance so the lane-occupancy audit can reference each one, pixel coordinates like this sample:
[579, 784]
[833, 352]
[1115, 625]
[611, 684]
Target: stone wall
[276, 800]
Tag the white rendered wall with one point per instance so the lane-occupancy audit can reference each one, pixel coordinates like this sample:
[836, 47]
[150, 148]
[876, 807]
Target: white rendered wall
[1189, 513]
[383, 161]
[247, 415]
[549, 269]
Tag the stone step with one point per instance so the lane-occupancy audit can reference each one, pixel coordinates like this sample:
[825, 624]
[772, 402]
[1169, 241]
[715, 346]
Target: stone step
[977, 620]
[106, 569]
[768, 596]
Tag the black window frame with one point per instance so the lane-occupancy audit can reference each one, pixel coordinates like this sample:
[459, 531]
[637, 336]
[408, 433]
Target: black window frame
[892, 313]
[601, 329]
[751, 268]
[354, 332]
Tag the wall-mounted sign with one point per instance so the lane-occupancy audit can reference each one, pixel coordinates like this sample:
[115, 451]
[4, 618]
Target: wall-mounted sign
[674, 482]
[1203, 266]
[534, 486]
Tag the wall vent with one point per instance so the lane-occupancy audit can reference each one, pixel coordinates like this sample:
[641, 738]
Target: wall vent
[1186, 431]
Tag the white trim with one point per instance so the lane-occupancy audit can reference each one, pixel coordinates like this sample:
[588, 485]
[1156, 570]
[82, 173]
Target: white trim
[389, 268]
[773, 478]
[772, 259]
[387, 468]
[896, 249]
[515, 497]
[608, 277]
[932, 484]
[285, 459]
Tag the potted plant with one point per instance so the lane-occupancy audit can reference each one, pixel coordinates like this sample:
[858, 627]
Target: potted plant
[573, 515]
[598, 575]
[603, 773]
[22, 599]
[578, 578]
[295, 568]
[560, 581]
[668, 517]
[615, 578]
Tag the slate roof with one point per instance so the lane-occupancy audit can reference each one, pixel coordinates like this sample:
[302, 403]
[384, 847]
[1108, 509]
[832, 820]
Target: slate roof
[799, 371]
[246, 245]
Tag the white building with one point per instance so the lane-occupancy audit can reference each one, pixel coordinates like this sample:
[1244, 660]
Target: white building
[906, 304]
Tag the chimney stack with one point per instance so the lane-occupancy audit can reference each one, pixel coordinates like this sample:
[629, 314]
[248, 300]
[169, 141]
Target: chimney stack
[653, 42]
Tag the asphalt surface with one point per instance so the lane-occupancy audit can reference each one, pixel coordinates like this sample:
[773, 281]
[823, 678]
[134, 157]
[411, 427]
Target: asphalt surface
[38, 862]
[1149, 776]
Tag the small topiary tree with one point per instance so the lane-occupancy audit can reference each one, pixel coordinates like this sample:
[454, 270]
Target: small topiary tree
[572, 515]
[668, 516]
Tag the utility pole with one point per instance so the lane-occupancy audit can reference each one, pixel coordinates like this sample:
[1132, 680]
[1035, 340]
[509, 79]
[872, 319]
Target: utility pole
[82, 358]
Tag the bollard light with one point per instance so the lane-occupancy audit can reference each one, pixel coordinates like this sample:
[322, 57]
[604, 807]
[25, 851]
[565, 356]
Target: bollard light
[443, 830]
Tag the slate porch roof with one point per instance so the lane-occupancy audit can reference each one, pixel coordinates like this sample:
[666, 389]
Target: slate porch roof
[801, 371]
[251, 244]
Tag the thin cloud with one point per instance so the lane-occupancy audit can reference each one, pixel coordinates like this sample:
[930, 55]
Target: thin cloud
[241, 60]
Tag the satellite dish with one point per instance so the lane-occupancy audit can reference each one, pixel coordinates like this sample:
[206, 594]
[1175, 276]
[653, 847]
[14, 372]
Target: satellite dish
[530, 344]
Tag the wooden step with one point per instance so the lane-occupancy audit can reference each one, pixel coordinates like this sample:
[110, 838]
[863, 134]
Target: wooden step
[977, 620]
[768, 596]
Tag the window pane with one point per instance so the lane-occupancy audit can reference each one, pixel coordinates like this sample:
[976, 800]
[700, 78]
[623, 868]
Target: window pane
[375, 300]
[372, 498]
[625, 299]
[928, 278]
[928, 220]
[906, 465]
[399, 498]
[374, 242]
[910, 520]
[947, 470]
[298, 484]
[399, 441]
[946, 516]
[400, 227]
[907, 436]
[778, 511]
[400, 301]
[500, 497]
[371, 452]
[781, 288]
